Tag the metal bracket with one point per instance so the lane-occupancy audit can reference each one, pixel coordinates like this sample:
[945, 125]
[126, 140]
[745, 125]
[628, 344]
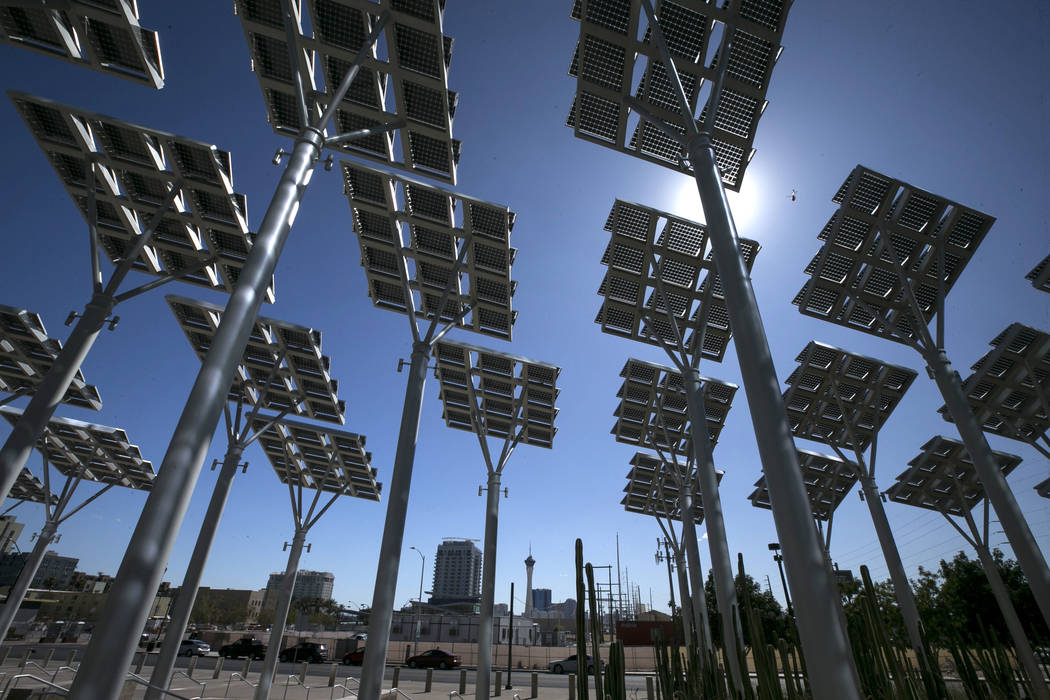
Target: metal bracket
[278, 155]
[861, 494]
[329, 163]
[242, 465]
[401, 365]
[73, 316]
[308, 546]
[481, 489]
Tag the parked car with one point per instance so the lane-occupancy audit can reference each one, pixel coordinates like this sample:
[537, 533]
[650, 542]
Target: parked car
[569, 665]
[435, 658]
[245, 646]
[355, 657]
[193, 647]
[311, 652]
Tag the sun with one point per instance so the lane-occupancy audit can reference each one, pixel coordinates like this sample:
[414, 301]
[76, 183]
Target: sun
[744, 204]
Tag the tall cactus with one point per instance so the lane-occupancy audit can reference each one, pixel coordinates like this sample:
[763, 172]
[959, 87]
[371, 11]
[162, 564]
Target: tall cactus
[581, 627]
[615, 678]
[596, 635]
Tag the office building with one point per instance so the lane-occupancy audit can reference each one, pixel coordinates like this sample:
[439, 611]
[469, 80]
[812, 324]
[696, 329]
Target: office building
[457, 573]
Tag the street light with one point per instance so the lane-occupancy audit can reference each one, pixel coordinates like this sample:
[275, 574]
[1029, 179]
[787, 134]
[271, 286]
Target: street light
[775, 548]
[419, 601]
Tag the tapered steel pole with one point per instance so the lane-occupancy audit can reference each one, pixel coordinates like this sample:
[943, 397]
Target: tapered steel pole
[901, 586]
[488, 588]
[191, 582]
[374, 663]
[1031, 559]
[280, 616]
[701, 623]
[51, 390]
[113, 642]
[721, 563]
[817, 601]
[18, 591]
[683, 593]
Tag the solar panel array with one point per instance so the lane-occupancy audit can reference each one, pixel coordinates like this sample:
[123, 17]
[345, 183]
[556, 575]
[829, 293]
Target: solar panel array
[1043, 488]
[282, 365]
[405, 77]
[652, 489]
[26, 356]
[616, 58]
[648, 245]
[497, 394]
[389, 209]
[854, 277]
[653, 411]
[943, 478]
[826, 377]
[1009, 390]
[1040, 275]
[29, 488]
[135, 169]
[103, 35]
[828, 481]
[92, 452]
[320, 458]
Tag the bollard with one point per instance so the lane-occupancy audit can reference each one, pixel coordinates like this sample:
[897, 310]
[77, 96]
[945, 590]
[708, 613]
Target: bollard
[331, 676]
[218, 667]
[649, 688]
[499, 684]
[462, 681]
[25, 659]
[191, 666]
[302, 672]
[141, 663]
[71, 657]
[397, 674]
[430, 680]
[247, 667]
[4, 653]
[572, 686]
[50, 655]
[535, 685]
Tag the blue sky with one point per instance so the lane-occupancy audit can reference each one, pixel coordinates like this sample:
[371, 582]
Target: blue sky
[952, 103]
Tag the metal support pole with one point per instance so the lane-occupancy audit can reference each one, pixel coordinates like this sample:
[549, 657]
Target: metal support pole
[191, 582]
[510, 636]
[701, 623]
[394, 528]
[901, 586]
[113, 643]
[21, 586]
[280, 616]
[488, 588]
[998, 492]
[670, 580]
[783, 582]
[817, 600]
[721, 563]
[51, 390]
[683, 593]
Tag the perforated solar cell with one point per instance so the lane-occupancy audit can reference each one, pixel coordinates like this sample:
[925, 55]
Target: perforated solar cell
[1040, 275]
[653, 488]
[828, 481]
[29, 488]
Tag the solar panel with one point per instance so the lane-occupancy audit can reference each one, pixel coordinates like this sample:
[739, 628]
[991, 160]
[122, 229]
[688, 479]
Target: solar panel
[828, 481]
[943, 478]
[282, 364]
[135, 169]
[616, 59]
[92, 452]
[497, 394]
[652, 488]
[1040, 275]
[1010, 386]
[1043, 488]
[26, 356]
[648, 246]
[829, 380]
[653, 411]
[29, 488]
[404, 77]
[103, 35]
[469, 251]
[853, 276]
[319, 458]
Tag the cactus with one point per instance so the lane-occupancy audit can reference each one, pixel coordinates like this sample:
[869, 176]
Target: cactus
[581, 627]
[596, 635]
[615, 679]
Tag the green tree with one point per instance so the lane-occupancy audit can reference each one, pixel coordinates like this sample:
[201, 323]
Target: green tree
[775, 622]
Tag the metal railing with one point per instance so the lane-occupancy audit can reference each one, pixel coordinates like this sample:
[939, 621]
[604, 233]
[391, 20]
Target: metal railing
[13, 681]
[239, 677]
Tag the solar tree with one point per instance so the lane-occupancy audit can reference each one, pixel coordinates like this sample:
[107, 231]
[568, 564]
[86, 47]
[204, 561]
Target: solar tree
[78, 452]
[283, 372]
[891, 253]
[155, 203]
[656, 411]
[501, 398]
[944, 478]
[1040, 275]
[103, 36]
[26, 357]
[843, 399]
[653, 489]
[302, 104]
[443, 270]
[662, 288]
[714, 146]
[329, 462]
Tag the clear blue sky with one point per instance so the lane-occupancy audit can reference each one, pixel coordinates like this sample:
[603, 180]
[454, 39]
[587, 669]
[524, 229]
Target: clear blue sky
[952, 103]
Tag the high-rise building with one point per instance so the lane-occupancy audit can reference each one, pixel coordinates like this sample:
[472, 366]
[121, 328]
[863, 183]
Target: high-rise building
[10, 531]
[308, 584]
[541, 598]
[457, 572]
[529, 563]
[55, 571]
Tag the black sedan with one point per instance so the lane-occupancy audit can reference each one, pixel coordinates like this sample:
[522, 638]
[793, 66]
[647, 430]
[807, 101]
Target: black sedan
[435, 658]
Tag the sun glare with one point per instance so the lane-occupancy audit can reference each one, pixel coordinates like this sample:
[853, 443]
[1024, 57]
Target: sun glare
[743, 204]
